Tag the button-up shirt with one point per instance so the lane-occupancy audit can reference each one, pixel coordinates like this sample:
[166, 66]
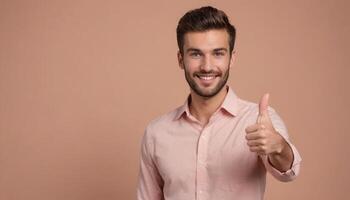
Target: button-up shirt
[183, 160]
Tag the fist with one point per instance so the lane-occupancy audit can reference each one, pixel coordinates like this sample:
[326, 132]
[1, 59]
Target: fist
[261, 137]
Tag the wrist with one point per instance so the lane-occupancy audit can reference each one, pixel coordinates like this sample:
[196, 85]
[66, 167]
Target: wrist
[281, 147]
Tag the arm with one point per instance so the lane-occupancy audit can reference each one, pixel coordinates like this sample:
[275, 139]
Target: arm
[269, 139]
[284, 163]
[150, 183]
[283, 158]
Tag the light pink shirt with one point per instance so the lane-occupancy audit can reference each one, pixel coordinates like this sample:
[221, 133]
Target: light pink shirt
[181, 160]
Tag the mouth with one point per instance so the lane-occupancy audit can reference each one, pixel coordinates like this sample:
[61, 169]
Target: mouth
[206, 77]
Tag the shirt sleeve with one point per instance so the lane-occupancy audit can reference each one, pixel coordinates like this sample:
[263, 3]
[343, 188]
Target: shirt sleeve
[150, 183]
[293, 172]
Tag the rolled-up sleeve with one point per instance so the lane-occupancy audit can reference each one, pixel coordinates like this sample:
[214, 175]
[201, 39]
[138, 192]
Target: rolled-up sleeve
[293, 172]
[150, 183]
[288, 175]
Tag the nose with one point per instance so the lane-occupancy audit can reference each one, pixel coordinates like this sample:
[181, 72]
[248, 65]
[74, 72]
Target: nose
[206, 64]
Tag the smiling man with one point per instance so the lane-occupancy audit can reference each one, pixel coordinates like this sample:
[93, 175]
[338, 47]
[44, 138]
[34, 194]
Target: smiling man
[216, 146]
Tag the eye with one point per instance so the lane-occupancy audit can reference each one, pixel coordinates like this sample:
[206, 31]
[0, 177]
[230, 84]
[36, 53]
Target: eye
[218, 54]
[195, 54]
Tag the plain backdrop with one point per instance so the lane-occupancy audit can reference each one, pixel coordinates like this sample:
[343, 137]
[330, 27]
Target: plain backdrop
[80, 80]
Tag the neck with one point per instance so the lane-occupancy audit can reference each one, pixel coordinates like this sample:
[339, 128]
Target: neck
[202, 108]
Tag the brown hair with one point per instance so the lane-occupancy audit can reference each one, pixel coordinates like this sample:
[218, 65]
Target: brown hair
[203, 19]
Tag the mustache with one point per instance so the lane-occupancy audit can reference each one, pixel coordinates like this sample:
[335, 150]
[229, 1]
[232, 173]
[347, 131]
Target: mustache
[203, 73]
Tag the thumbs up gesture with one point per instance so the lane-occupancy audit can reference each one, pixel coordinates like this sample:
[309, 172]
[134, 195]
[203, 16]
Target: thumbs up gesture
[262, 137]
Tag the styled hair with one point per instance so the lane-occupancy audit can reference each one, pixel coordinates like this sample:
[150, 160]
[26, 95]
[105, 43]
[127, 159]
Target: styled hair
[204, 19]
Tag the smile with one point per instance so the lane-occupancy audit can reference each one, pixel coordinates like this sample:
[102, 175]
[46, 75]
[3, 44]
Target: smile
[207, 77]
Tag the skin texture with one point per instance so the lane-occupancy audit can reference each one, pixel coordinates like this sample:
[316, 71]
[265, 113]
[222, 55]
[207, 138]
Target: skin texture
[263, 139]
[206, 62]
[206, 53]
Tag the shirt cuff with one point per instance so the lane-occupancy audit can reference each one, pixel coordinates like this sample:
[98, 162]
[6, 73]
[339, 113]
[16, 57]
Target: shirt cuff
[291, 173]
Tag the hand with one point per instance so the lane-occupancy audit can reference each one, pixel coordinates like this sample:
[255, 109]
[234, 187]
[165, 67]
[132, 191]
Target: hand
[262, 137]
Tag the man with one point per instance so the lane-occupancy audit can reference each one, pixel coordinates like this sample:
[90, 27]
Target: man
[215, 146]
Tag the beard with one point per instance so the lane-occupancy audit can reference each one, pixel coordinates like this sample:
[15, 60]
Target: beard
[205, 92]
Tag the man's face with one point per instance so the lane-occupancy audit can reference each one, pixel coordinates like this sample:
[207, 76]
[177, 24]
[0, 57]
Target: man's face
[206, 61]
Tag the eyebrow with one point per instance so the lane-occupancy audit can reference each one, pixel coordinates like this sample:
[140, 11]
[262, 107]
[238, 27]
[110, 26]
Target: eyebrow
[193, 49]
[198, 50]
[220, 49]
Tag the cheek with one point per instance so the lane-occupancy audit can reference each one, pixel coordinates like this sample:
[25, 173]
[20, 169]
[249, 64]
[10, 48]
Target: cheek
[221, 65]
[192, 65]
[222, 61]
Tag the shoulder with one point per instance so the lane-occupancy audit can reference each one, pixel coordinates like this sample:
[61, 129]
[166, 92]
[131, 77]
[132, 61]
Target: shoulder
[163, 120]
[161, 123]
[250, 111]
[247, 108]
[253, 108]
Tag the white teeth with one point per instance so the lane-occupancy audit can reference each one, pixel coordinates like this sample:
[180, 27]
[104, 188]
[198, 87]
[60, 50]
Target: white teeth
[207, 77]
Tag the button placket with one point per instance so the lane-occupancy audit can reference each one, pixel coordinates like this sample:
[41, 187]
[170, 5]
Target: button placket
[202, 153]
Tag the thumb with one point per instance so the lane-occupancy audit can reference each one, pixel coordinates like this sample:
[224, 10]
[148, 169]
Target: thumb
[263, 105]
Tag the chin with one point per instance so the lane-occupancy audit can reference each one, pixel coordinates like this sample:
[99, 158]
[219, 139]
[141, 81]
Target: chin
[207, 93]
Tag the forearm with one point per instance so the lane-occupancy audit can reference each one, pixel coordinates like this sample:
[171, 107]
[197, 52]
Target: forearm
[282, 160]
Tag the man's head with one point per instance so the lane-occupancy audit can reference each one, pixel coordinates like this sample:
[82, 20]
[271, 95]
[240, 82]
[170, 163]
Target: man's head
[204, 19]
[206, 41]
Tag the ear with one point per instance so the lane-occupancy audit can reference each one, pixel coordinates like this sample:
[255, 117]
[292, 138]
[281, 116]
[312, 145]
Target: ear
[180, 60]
[233, 58]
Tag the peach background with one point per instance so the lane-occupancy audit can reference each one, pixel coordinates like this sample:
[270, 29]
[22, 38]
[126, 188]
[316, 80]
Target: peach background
[80, 80]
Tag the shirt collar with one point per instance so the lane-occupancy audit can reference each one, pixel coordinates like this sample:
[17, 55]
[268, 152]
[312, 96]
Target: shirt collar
[230, 105]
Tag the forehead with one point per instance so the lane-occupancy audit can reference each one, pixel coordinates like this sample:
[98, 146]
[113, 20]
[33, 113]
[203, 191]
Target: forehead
[207, 40]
